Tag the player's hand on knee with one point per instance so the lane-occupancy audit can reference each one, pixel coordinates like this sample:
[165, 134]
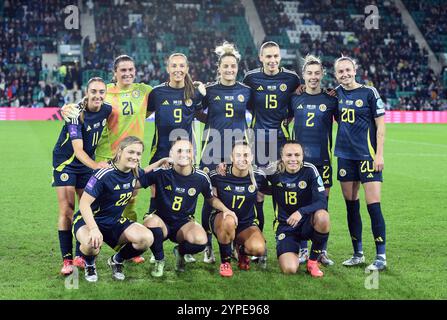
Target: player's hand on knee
[95, 238]
[378, 163]
[294, 219]
[70, 111]
[230, 213]
[201, 87]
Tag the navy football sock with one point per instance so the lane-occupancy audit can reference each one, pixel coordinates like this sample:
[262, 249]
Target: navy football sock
[206, 213]
[157, 246]
[78, 252]
[152, 206]
[303, 244]
[89, 260]
[66, 245]
[355, 224]
[318, 241]
[126, 252]
[260, 214]
[225, 252]
[190, 248]
[377, 226]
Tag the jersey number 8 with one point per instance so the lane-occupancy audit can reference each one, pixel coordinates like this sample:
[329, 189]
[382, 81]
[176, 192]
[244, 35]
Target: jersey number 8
[177, 204]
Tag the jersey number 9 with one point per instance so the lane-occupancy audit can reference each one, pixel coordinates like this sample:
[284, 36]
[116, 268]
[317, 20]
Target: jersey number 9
[178, 115]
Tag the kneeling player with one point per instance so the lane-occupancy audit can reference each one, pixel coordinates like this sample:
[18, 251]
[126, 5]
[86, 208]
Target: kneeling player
[101, 207]
[300, 205]
[238, 190]
[177, 191]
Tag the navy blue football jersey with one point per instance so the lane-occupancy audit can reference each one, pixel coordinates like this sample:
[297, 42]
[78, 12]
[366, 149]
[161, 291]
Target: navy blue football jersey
[112, 190]
[271, 96]
[314, 115]
[171, 112]
[226, 107]
[177, 194]
[357, 111]
[89, 132]
[302, 191]
[238, 193]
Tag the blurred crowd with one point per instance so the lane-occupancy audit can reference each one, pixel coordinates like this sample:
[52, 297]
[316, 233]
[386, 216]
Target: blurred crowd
[28, 29]
[388, 58]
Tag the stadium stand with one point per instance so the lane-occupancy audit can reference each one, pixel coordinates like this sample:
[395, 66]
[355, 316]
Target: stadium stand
[389, 58]
[163, 22]
[29, 29]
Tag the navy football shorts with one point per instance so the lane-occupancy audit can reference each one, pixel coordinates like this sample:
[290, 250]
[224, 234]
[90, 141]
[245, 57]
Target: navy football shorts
[66, 178]
[357, 170]
[288, 238]
[111, 230]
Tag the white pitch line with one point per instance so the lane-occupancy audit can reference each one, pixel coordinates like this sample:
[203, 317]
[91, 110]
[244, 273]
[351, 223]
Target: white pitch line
[418, 143]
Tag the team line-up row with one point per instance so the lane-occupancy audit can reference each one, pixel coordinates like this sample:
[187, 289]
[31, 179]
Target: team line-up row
[105, 131]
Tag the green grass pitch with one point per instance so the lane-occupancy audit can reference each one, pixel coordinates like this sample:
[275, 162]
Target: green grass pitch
[413, 201]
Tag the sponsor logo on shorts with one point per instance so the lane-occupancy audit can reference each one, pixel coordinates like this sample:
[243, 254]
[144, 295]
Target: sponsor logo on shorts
[342, 172]
[281, 236]
[64, 177]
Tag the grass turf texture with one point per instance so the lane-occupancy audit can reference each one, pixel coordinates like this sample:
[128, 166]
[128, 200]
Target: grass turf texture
[413, 202]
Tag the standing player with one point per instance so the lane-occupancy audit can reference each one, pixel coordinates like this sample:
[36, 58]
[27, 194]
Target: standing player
[226, 103]
[177, 191]
[300, 209]
[129, 103]
[102, 204]
[359, 148]
[272, 87]
[73, 162]
[175, 103]
[238, 191]
[314, 112]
